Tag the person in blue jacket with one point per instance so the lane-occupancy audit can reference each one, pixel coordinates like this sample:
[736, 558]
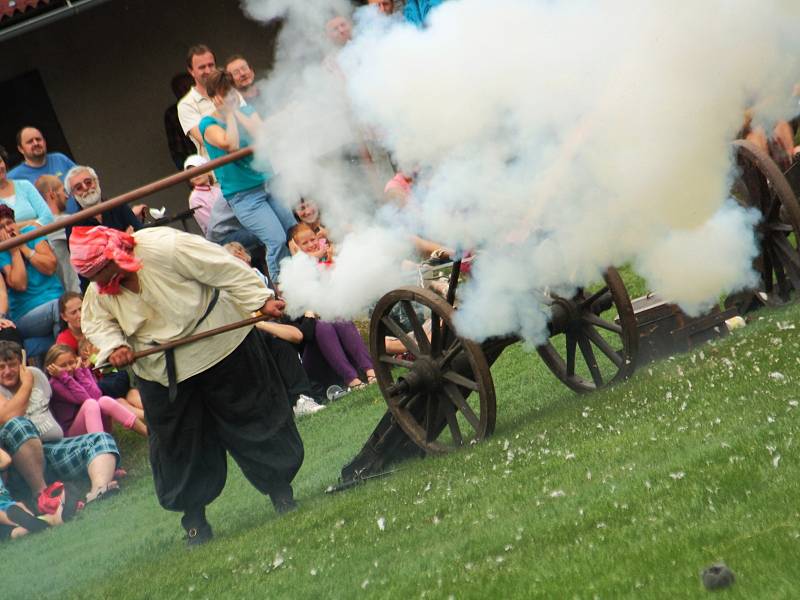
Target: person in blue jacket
[416, 11]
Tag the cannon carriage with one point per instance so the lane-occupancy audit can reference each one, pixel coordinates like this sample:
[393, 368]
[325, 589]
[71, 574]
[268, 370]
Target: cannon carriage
[445, 398]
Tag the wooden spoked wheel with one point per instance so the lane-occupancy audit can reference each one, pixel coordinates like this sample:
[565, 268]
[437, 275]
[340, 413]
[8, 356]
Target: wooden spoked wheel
[594, 337]
[763, 186]
[443, 397]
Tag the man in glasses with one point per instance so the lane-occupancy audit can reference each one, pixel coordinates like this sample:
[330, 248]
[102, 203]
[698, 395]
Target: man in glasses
[243, 77]
[83, 184]
[36, 160]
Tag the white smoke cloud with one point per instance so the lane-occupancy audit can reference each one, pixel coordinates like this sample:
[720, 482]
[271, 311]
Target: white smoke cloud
[356, 280]
[558, 138]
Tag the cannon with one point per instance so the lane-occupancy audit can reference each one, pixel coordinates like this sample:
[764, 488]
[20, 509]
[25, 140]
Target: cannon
[444, 398]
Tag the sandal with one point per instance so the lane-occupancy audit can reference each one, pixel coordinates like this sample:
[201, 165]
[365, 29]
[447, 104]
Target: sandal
[371, 380]
[25, 519]
[71, 502]
[108, 490]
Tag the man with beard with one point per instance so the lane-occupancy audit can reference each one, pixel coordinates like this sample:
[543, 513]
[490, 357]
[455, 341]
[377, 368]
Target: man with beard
[204, 399]
[53, 192]
[83, 184]
[243, 77]
[37, 161]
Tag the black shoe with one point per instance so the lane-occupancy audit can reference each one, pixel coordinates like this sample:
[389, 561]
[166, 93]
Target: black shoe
[197, 536]
[198, 531]
[283, 500]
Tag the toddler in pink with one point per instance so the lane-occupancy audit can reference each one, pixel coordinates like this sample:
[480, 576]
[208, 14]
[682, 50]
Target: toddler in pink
[77, 402]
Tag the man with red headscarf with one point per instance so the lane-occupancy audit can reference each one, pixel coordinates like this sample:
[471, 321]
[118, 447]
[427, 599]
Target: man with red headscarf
[223, 393]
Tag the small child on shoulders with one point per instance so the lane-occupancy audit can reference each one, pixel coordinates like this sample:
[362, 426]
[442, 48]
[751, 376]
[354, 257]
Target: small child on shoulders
[77, 402]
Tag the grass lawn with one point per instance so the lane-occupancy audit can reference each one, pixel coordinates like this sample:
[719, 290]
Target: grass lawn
[628, 492]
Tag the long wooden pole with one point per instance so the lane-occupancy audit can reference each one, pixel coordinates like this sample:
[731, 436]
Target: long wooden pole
[145, 190]
[196, 337]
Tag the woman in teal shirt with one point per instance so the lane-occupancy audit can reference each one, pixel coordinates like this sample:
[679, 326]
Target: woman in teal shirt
[33, 287]
[230, 128]
[20, 196]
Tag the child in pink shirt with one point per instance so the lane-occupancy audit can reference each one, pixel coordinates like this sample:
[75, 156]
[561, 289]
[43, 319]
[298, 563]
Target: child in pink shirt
[77, 402]
[205, 193]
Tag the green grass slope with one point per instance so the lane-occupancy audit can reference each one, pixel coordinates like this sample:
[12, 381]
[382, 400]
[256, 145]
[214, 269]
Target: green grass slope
[628, 492]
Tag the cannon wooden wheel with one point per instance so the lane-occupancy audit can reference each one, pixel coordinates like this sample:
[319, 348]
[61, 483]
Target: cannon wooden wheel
[444, 398]
[763, 186]
[592, 346]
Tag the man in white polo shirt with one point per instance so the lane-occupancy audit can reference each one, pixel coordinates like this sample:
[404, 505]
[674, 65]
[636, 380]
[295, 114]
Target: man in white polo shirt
[196, 104]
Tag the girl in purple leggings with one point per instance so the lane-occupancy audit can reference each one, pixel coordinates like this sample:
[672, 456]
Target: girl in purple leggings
[336, 344]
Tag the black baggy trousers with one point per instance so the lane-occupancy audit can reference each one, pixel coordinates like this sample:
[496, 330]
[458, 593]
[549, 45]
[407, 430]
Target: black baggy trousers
[239, 405]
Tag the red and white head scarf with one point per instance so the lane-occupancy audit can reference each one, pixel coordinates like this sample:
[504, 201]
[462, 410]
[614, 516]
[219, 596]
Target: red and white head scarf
[92, 248]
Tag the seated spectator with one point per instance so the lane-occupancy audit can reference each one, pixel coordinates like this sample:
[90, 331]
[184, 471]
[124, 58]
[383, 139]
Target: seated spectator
[37, 161]
[8, 331]
[386, 7]
[69, 308]
[337, 344]
[243, 77]
[307, 212]
[305, 240]
[339, 31]
[82, 183]
[240, 252]
[112, 382]
[224, 227]
[34, 457]
[779, 145]
[77, 402]
[52, 190]
[205, 192]
[230, 128]
[281, 339]
[29, 271]
[16, 520]
[20, 196]
[398, 192]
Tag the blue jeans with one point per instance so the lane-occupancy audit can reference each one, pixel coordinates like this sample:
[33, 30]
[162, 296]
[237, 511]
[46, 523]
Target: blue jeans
[262, 214]
[41, 322]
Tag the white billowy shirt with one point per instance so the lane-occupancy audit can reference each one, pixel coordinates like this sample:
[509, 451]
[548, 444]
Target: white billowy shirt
[177, 280]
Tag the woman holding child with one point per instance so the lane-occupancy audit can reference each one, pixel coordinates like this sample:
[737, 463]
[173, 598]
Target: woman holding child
[230, 128]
